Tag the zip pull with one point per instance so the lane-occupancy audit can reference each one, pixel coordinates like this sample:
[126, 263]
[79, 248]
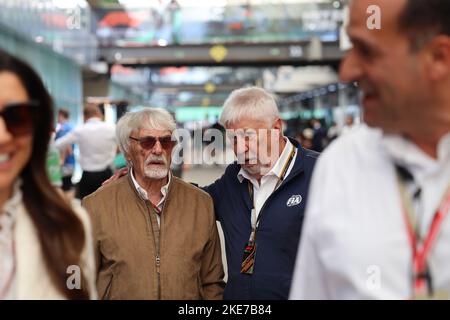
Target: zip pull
[158, 263]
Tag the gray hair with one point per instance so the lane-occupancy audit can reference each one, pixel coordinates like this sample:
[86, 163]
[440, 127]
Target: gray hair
[253, 102]
[146, 118]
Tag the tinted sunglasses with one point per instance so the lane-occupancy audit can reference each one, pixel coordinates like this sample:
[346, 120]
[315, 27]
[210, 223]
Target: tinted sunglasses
[149, 142]
[20, 118]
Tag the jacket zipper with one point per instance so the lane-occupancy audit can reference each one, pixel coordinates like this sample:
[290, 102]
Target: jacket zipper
[157, 255]
[158, 274]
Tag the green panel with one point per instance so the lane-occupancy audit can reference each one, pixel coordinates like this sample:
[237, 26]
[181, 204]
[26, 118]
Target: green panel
[120, 92]
[62, 76]
[183, 114]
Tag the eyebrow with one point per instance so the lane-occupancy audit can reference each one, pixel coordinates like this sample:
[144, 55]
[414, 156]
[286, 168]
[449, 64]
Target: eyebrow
[362, 41]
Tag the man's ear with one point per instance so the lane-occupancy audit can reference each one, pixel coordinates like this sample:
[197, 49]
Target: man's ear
[439, 58]
[278, 124]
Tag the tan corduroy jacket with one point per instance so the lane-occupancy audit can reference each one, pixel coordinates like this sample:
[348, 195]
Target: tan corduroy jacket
[189, 263]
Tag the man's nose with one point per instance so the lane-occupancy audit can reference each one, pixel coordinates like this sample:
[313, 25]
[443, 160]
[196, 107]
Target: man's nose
[242, 145]
[157, 148]
[350, 69]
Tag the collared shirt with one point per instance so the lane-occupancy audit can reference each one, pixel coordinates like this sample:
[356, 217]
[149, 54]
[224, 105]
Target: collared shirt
[144, 195]
[7, 251]
[425, 172]
[261, 192]
[355, 243]
[97, 142]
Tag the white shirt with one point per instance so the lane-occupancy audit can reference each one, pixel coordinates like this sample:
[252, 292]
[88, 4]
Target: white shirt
[97, 142]
[8, 278]
[261, 192]
[354, 242]
[144, 195]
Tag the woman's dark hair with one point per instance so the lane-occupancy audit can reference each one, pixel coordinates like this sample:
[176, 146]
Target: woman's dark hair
[60, 231]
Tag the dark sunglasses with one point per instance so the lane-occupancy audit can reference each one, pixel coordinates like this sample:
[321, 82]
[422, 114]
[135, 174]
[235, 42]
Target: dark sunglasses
[149, 142]
[20, 118]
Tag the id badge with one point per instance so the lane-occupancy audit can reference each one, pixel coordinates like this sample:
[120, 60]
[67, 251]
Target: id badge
[248, 261]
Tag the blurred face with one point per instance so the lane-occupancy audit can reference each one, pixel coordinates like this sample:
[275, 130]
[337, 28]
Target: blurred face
[149, 161]
[61, 118]
[389, 73]
[256, 144]
[15, 149]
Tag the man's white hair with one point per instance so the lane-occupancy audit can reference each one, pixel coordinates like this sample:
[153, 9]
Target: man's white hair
[253, 103]
[146, 118]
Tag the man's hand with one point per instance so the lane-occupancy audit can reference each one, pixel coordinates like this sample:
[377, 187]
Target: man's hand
[119, 173]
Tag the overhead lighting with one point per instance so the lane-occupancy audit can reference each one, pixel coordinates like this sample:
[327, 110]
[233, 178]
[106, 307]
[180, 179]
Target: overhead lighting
[39, 39]
[138, 4]
[64, 4]
[162, 42]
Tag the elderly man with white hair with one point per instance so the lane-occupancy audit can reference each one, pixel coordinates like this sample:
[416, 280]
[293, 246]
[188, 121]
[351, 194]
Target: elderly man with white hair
[260, 200]
[155, 235]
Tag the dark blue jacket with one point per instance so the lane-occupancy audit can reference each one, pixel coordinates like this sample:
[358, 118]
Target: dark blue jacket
[278, 233]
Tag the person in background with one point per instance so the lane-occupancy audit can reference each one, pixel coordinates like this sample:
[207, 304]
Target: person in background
[67, 155]
[349, 124]
[97, 144]
[377, 224]
[319, 138]
[53, 164]
[41, 235]
[306, 138]
[156, 236]
[332, 132]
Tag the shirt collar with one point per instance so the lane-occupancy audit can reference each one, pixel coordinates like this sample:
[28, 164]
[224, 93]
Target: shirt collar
[143, 193]
[93, 119]
[276, 169]
[404, 152]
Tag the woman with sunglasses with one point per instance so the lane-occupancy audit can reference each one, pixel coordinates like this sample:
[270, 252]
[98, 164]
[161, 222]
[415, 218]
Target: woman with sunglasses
[45, 243]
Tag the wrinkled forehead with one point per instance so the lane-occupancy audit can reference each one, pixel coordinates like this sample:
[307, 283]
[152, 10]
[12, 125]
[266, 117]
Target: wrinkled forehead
[247, 123]
[375, 18]
[144, 132]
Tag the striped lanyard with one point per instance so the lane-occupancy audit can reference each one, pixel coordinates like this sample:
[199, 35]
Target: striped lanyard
[254, 220]
[422, 280]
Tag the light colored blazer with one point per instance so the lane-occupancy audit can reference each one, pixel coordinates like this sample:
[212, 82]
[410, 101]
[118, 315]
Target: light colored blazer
[32, 278]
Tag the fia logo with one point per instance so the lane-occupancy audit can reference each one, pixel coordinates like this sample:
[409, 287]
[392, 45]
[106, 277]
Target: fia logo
[294, 200]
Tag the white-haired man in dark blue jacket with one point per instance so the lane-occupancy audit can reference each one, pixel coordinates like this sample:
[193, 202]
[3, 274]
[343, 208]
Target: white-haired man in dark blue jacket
[260, 200]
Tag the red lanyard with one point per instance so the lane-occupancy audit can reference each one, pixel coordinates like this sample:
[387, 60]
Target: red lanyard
[420, 251]
[157, 210]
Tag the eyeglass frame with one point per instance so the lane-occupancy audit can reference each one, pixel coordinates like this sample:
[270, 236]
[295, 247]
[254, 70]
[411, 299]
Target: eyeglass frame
[156, 139]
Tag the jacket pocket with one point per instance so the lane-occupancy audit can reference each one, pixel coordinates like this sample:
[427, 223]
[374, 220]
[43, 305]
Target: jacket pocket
[107, 294]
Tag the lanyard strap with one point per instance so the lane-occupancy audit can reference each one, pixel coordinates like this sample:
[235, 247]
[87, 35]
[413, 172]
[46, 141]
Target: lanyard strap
[421, 249]
[157, 210]
[254, 221]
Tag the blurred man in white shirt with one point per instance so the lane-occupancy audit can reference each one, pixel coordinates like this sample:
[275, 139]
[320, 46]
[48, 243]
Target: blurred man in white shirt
[377, 224]
[98, 148]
